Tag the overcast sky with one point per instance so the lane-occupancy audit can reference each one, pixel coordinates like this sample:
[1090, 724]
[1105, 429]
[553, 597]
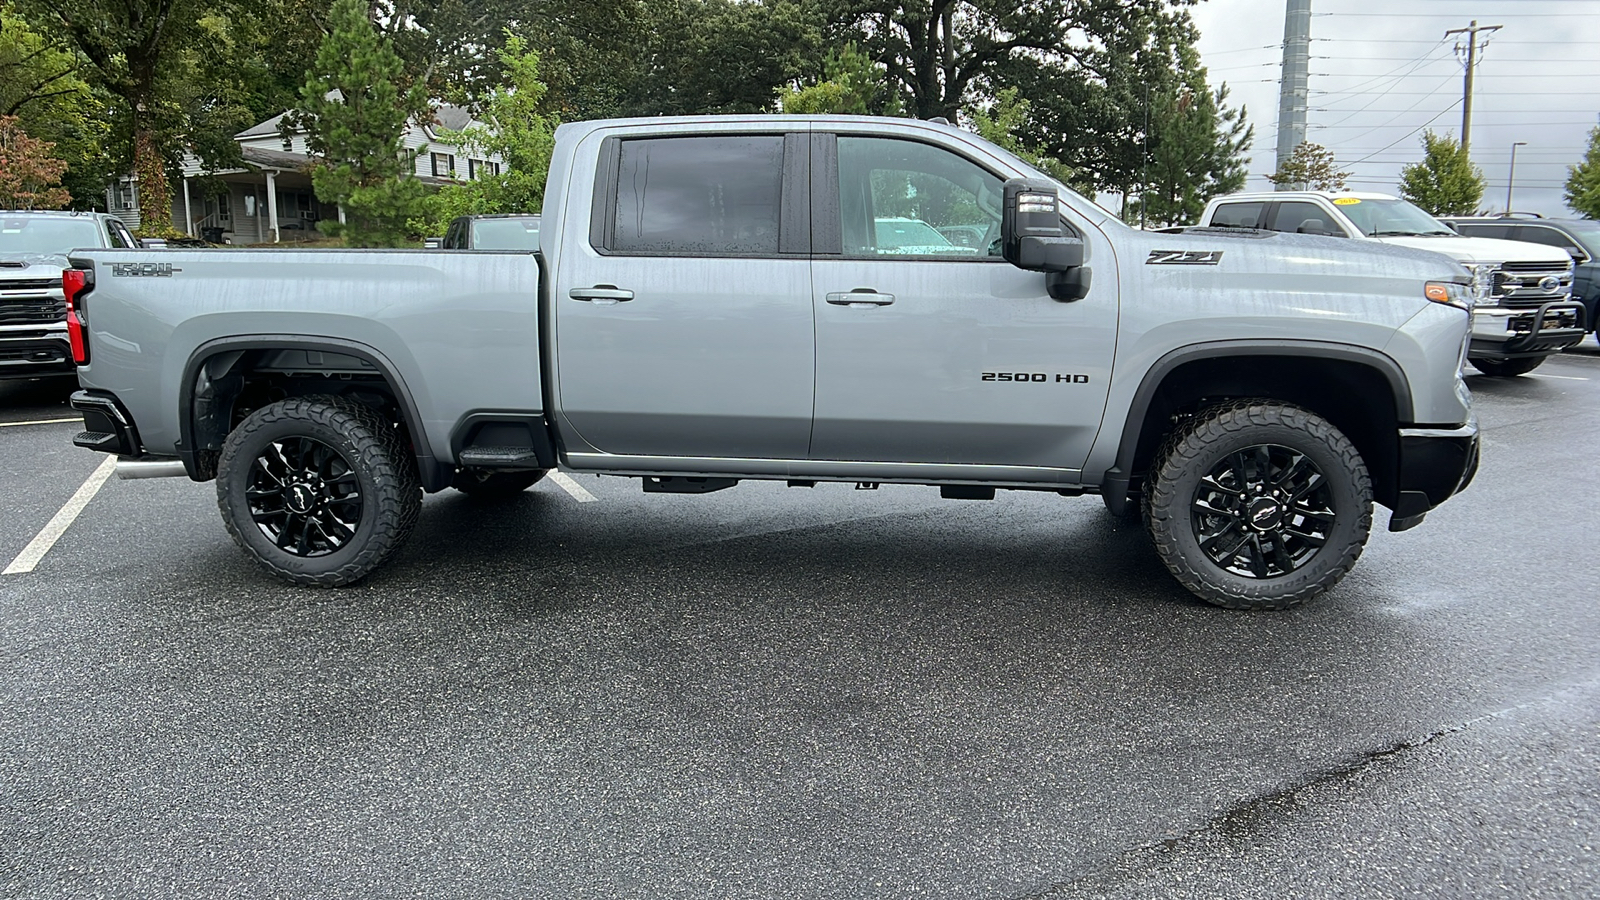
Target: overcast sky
[1382, 71]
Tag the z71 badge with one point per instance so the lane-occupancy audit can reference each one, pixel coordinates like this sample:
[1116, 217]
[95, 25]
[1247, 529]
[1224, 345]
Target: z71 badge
[1184, 258]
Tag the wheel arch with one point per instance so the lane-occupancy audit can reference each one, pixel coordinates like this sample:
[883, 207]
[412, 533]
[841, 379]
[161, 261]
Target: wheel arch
[212, 379]
[1362, 392]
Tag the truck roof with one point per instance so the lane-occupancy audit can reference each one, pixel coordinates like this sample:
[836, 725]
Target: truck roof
[1291, 195]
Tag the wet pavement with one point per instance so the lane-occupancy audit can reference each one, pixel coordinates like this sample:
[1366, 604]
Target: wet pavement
[774, 692]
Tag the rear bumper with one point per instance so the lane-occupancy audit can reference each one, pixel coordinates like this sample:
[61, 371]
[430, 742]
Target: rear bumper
[1435, 465]
[107, 427]
[1499, 333]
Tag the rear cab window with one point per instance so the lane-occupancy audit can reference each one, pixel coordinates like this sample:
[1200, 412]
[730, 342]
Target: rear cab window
[1237, 215]
[703, 195]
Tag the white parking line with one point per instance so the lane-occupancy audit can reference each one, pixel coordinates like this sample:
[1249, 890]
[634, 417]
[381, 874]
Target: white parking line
[572, 487]
[1562, 377]
[39, 422]
[56, 527]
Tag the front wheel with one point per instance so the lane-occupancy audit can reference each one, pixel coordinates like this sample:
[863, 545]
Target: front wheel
[319, 491]
[1521, 365]
[1258, 505]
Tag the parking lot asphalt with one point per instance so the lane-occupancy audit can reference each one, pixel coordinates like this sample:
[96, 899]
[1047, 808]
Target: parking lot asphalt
[774, 692]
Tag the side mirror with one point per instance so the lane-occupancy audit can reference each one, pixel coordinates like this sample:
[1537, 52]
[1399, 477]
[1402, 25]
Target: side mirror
[1032, 235]
[1578, 256]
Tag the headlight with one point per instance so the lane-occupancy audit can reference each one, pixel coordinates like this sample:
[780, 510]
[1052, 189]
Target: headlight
[1482, 280]
[1450, 293]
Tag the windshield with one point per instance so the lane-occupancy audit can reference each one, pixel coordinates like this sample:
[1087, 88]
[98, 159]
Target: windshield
[505, 234]
[47, 234]
[1386, 218]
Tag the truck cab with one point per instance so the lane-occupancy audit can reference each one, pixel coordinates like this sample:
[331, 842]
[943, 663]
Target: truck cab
[511, 231]
[1524, 311]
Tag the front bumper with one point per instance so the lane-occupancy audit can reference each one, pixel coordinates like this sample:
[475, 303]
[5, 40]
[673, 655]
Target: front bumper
[41, 353]
[1435, 465]
[1499, 332]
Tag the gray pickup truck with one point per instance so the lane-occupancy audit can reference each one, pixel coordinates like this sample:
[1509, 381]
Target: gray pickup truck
[719, 299]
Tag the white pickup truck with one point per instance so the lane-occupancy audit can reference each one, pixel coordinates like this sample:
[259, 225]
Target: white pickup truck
[799, 299]
[1523, 311]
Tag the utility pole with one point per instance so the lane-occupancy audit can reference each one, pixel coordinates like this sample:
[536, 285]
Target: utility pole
[1466, 92]
[1293, 82]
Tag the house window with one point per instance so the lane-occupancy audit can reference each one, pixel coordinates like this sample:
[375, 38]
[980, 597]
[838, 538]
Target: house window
[481, 168]
[444, 165]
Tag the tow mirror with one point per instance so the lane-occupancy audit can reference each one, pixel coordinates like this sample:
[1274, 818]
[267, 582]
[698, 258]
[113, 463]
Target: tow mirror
[1033, 236]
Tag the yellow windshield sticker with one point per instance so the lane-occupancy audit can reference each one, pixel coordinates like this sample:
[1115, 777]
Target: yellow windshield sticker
[1346, 201]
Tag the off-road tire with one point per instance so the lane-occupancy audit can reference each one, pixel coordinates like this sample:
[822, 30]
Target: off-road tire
[1506, 368]
[1201, 446]
[371, 448]
[489, 485]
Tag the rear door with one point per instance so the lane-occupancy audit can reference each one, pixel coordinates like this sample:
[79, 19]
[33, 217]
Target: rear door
[931, 348]
[683, 316]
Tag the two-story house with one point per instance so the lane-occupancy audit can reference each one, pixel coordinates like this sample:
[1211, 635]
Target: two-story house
[269, 199]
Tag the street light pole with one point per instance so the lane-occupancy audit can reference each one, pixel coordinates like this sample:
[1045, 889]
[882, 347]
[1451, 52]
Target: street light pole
[1511, 180]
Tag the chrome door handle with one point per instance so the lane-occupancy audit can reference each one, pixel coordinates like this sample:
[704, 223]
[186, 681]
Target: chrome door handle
[860, 297]
[601, 292]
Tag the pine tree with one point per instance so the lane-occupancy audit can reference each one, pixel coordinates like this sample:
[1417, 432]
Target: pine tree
[1198, 152]
[354, 113]
[1583, 180]
[1310, 167]
[1445, 183]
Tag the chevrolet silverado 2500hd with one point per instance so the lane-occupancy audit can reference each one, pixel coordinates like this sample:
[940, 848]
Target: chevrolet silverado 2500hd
[719, 299]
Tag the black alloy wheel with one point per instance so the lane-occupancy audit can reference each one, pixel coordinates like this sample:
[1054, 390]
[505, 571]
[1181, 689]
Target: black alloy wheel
[304, 496]
[1263, 511]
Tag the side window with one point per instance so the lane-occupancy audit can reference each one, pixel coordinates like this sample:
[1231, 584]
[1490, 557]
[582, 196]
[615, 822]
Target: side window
[452, 237]
[118, 236]
[717, 196]
[1295, 217]
[1539, 234]
[906, 199]
[1237, 215]
[1480, 230]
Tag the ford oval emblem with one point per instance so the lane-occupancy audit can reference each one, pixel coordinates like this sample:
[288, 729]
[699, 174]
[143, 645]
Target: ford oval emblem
[1549, 283]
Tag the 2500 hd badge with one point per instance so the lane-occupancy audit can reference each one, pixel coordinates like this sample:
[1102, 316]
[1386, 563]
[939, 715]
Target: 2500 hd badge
[1035, 378]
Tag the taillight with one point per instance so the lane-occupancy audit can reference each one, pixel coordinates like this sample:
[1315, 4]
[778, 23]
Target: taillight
[75, 283]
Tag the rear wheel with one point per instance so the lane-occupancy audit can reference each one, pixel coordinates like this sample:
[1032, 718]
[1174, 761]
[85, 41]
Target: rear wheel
[490, 485]
[1522, 365]
[318, 491]
[1258, 505]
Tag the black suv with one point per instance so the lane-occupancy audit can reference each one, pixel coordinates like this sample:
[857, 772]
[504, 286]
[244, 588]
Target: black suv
[1579, 237]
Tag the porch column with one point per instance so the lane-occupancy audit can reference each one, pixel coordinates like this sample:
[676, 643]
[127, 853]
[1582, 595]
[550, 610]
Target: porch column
[256, 193]
[188, 214]
[272, 202]
[341, 213]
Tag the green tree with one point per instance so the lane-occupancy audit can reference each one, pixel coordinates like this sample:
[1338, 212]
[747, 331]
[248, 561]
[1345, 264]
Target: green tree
[1005, 124]
[354, 112]
[1583, 180]
[852, 84]
[28, 172]
[517, 132]
[719, 56]
[1310, 167]
[1445, 183]
[129, 46]
[41, 83]
[1198, 150]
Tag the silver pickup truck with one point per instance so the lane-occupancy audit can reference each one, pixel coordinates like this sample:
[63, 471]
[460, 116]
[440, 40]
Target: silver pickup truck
[800, 299]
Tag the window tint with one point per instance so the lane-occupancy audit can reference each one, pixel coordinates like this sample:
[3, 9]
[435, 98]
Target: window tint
[902, 198]
[1237, 215]
[1479, 230]
[706, 195]
[1303, 218]
[1539, 234]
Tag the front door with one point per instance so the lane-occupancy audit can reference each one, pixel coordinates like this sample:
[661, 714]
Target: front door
[683, 319]
[930, 347]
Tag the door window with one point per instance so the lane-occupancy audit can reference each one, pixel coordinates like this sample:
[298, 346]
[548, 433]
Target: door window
[1303, 218]
[702, 196]
[904, 199]
[1475, 229]
[1539, 234]
[1238, 215]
